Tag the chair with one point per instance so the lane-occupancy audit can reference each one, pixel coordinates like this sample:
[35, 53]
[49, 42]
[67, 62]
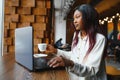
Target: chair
[112, 56]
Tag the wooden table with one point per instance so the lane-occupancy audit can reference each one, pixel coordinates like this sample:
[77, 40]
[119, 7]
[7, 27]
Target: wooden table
[10, 70]
[113, 73]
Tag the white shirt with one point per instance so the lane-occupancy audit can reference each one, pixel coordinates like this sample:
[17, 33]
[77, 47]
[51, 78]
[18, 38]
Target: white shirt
[94, 66]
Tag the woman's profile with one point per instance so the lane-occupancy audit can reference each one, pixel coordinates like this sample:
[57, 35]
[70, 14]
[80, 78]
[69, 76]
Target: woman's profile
[85, 61]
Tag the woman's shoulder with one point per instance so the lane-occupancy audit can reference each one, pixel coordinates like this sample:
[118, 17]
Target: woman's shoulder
[100, 36]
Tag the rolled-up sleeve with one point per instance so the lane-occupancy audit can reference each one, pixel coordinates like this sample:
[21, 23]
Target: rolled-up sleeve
[92, 64]
[66, 54]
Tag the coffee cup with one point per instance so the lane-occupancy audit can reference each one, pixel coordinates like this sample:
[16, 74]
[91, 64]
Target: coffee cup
[42, 47]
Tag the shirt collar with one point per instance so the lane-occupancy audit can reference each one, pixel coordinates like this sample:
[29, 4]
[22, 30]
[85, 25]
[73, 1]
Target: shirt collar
[84, 39]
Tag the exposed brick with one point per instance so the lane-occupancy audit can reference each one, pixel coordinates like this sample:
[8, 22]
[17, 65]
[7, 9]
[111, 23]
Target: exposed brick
[13, 40]
[35, 49]
[48, 4]
[10, 10]
[39, 11]
[5, 49]
[27, 18]
[46, 40]
[11, 49]
[41, 4]
[15, 17]
[38, 34]
[37, 41]
[6, 25]
[22, 13]
[12, 18]
[15, 2]
[28, 3]
[11, 2]
[5, 33]
[46, 19]
[23, 24]
[12, 25]
[46, 35]
[7, 18]
[24, 10]
[39, 26]
[12, 33]
[8, 3]
[8, 41]
[40, 19]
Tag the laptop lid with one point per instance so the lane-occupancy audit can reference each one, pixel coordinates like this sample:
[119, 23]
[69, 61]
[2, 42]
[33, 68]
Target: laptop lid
[24, 46]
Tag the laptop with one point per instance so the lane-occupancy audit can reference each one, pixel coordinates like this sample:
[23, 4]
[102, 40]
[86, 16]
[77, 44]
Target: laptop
[24, 53]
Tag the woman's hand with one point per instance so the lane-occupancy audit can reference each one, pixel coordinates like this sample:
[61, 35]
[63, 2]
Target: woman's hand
[60, 61]
[50, 49]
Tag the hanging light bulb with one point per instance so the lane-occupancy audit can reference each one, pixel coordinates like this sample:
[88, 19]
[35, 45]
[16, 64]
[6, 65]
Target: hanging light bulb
[117, 14]
[113, 17]
[107, 18]
[109, 21]
[102, 22]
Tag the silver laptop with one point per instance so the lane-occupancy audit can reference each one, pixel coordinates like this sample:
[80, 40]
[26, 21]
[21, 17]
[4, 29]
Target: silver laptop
[24, 53]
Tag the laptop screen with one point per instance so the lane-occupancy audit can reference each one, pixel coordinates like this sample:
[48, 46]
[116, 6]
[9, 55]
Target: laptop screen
[24, 46]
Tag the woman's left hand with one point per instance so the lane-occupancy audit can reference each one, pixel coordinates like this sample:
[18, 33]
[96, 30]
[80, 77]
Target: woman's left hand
[60, 61]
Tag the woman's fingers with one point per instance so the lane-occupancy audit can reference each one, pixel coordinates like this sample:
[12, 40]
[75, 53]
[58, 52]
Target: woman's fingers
[55, 62]
[52, 63]
[60, 61]
[56, 65]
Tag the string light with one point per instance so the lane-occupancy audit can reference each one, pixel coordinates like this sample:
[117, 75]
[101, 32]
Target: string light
[117, 14]
[113, 17]
[109, 19]
[102, 22]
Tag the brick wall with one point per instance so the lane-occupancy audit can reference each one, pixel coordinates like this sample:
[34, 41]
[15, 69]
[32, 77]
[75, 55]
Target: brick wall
[20, 13]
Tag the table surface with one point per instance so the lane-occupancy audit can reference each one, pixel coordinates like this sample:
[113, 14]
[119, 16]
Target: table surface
[10, 70]
[112, 71]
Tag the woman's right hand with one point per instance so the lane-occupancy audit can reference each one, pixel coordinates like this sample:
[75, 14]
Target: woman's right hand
[60, 61]
[50, 49]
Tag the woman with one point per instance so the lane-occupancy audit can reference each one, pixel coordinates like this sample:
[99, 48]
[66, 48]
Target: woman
[85, 60]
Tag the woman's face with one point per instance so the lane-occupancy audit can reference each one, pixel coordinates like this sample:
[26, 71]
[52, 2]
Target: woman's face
[78, 20]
